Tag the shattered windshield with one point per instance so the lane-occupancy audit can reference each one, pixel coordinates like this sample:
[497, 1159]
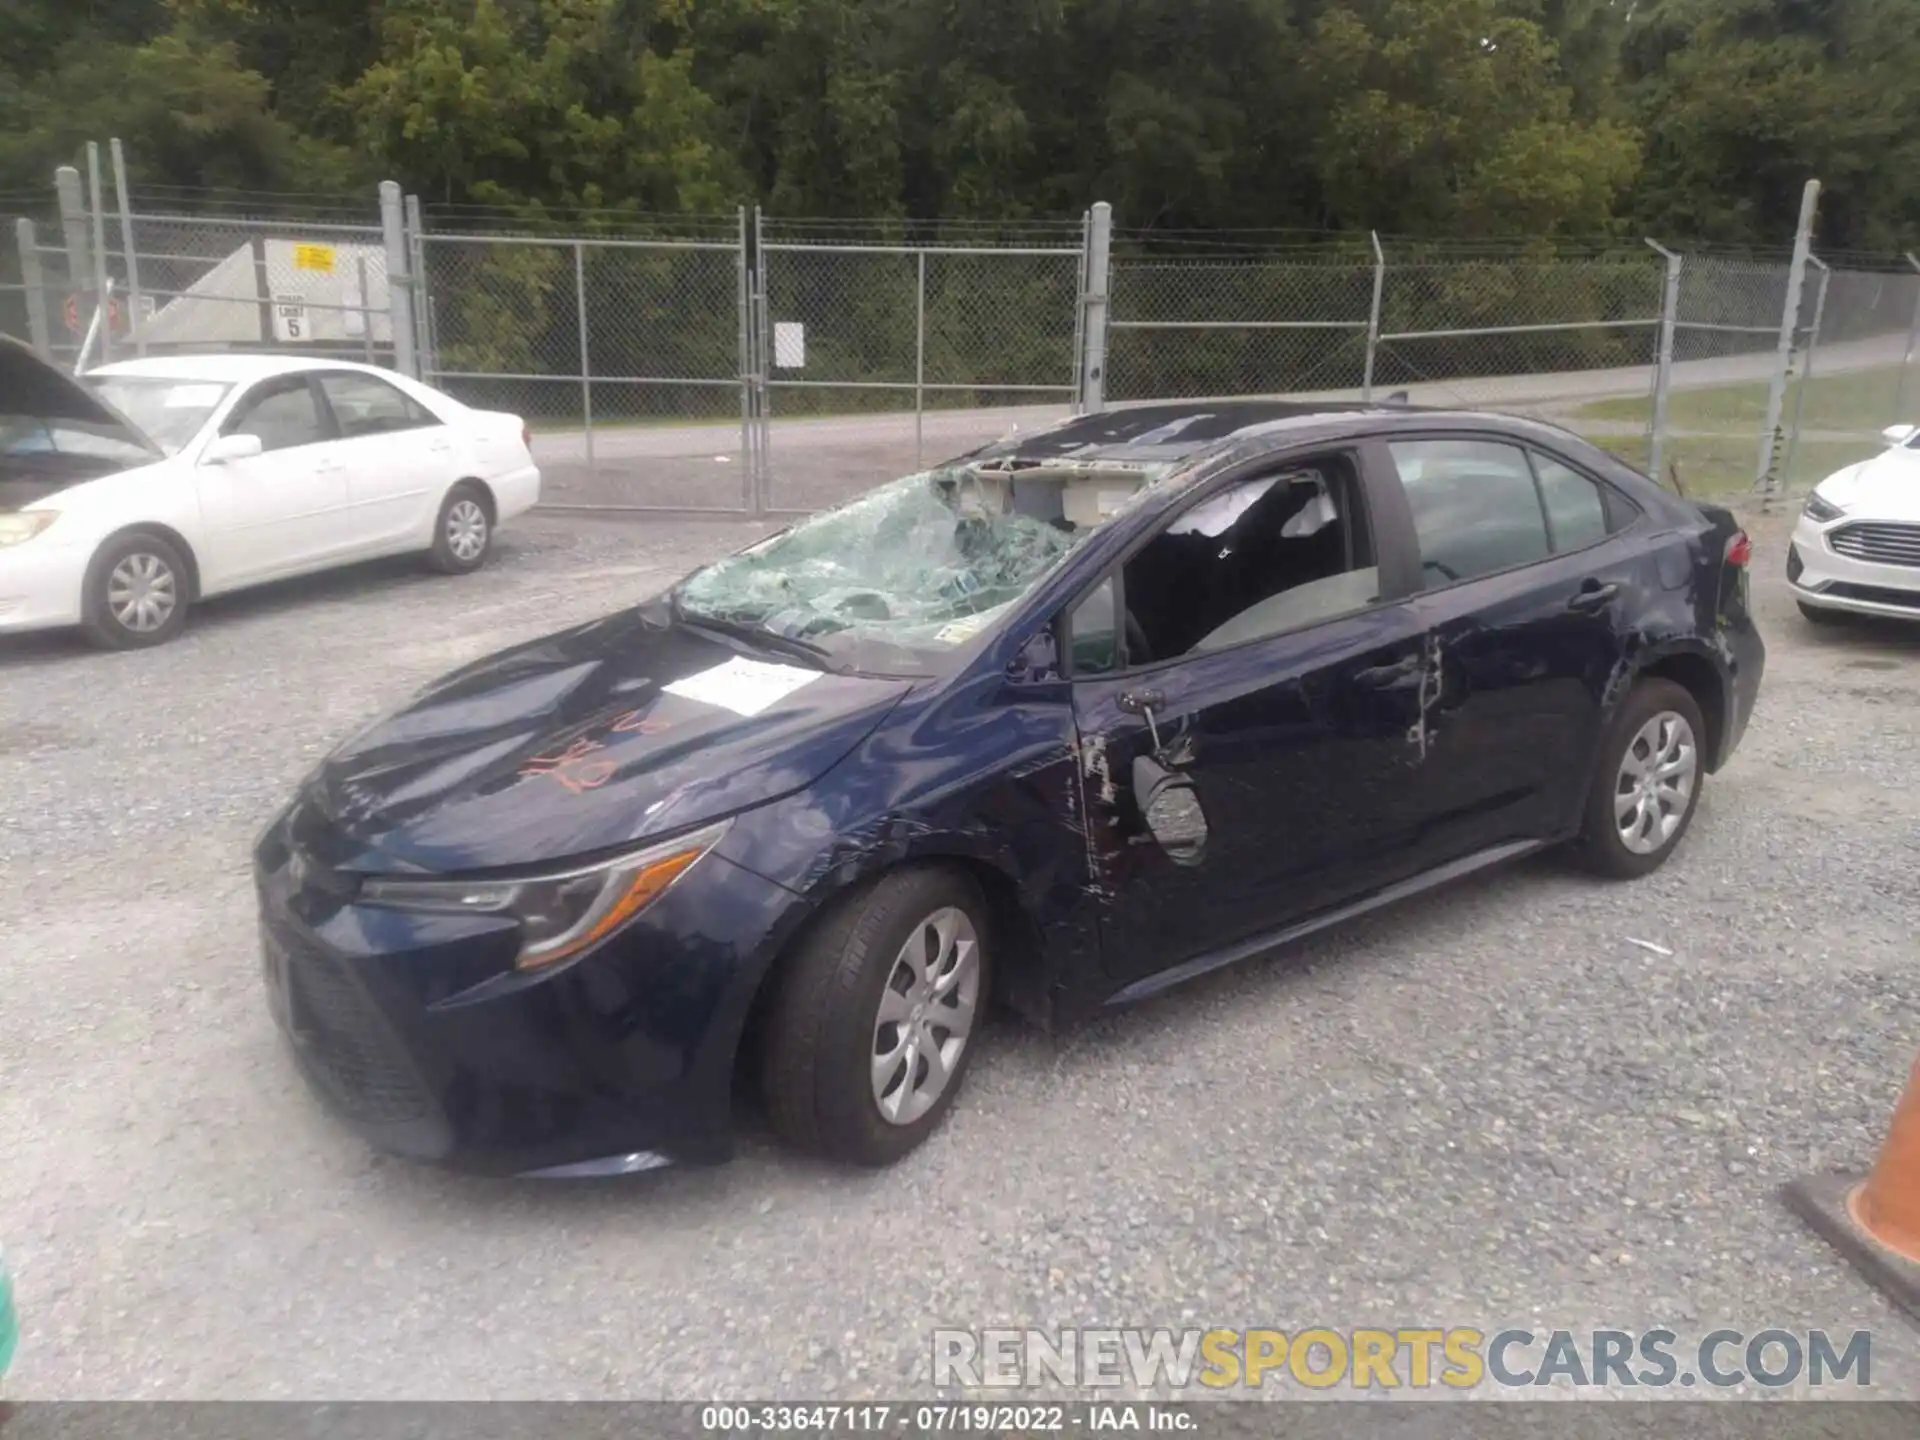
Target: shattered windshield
[924, 564]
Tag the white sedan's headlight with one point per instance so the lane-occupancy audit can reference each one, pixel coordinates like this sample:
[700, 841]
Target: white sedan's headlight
[22, 525]
[1821, 509]
[563, 913]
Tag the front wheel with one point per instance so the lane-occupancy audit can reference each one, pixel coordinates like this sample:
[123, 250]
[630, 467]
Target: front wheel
[137, 593]
[875, 1017]
[463, 533]
[1647, 783]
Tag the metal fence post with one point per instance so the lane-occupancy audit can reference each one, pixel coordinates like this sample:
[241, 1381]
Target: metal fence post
[1373, 317]
[73, 234]
[1078, 405]
[1768, 475]
[1913, 340]
[425, 341]
[134, 317]
[97, 209]
[1806, 371]
[366, 308]
[749, 459]
[920, 363]
[35, 283]
[393, 233]
[1093, 358]
[762, 359]
[1663, 359]
[263, 288]
[586, 367]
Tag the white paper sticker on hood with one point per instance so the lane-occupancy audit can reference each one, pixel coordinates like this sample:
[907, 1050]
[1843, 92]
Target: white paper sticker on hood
[745, 687]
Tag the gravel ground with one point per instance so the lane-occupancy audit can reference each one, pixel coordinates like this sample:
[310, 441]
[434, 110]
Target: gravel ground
[1484, 1108]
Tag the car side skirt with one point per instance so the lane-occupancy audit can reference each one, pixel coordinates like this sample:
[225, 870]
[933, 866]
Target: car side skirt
[1272, 939]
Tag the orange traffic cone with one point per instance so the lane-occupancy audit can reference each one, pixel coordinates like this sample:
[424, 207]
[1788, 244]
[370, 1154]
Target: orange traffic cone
[1875, 1222]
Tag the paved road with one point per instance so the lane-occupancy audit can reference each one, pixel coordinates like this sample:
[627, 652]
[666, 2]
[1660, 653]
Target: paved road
[1487, 1107]
[819, 461]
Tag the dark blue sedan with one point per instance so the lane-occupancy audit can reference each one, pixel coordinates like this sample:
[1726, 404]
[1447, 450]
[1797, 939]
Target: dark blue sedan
[1056, 724]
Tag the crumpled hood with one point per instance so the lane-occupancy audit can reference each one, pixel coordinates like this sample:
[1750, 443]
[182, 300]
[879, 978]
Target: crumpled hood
[596, 737]
[1886, 487]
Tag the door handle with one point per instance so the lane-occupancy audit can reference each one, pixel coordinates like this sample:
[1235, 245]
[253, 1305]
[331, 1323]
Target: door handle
[1401, 675]
[1593, 597]
[1139, 702]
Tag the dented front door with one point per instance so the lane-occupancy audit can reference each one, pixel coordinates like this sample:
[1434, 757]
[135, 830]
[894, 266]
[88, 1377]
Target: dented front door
[1297, 771]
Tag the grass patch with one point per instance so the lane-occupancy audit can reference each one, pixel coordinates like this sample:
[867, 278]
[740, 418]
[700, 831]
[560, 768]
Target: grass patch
[1863, 400]
[1721, 466]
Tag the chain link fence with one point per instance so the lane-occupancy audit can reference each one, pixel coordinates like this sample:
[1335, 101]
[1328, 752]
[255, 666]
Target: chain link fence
[625, 356]
[743, 364]
[877, 359]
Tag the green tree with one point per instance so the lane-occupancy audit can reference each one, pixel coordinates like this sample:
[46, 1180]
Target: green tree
[1450, 117]
[1745, 100]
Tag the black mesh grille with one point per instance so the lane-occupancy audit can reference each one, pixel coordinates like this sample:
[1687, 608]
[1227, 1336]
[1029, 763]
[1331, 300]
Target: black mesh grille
[346, 1042]
[1794, 565]
[1879, 595]
[1882, 544]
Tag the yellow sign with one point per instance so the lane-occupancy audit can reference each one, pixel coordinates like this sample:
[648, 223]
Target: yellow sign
[313, 257]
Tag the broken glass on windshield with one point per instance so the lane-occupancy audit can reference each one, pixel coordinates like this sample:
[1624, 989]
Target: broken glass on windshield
[927, 562]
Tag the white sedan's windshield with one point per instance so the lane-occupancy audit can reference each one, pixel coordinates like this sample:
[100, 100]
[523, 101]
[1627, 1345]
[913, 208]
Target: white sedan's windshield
[171, 412]
[923, 564]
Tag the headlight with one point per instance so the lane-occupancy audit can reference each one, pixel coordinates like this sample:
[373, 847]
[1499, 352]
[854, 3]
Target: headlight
[564, 913]
[1822, 510]
[22, 525]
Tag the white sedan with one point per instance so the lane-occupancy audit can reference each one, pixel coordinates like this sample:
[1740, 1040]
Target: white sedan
[129, 494]
[1857, 546]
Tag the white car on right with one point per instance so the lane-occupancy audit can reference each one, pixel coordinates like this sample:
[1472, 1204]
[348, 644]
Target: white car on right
[1856, 549]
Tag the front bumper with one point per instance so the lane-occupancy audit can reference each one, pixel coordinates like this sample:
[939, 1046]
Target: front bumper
[40, 585]
[1821, 577]
[417, 1032]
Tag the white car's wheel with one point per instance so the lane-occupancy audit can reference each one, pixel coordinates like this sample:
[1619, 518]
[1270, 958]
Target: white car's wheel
[138, 589]
[463, 532]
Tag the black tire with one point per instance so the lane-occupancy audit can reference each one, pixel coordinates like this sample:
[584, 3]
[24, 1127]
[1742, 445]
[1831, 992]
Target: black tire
[125, 570]
[1820, 616]
[1601, 847]
[466, 507]
[823, 1021]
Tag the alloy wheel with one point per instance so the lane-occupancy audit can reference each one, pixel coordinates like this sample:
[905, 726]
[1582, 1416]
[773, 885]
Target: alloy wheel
[142, 592]
[1655, 783]
[926, 1016]
[466, 530]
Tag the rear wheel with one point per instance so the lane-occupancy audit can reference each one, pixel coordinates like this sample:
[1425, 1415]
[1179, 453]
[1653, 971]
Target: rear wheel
[463, 533]
[1647, 784]
[874, 1018]
[137, 593]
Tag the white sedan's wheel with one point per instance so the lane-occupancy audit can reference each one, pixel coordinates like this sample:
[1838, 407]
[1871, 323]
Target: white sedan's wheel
[463, 534]
[137, 593]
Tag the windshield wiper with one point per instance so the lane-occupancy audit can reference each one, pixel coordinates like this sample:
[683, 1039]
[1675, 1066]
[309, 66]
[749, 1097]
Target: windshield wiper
[756, 634]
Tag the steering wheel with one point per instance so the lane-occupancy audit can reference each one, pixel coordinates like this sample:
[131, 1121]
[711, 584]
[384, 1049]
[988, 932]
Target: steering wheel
[1436, 565]
[1137, 647]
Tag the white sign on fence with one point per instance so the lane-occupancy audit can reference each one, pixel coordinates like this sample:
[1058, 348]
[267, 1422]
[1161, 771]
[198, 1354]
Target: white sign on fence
[290, 325]
[789, 345]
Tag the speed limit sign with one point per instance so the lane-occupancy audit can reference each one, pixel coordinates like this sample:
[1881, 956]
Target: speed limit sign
[290, 324]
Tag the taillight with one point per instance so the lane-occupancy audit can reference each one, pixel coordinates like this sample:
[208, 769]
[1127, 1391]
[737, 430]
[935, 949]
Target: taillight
[526, 435]
[1739, 549]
